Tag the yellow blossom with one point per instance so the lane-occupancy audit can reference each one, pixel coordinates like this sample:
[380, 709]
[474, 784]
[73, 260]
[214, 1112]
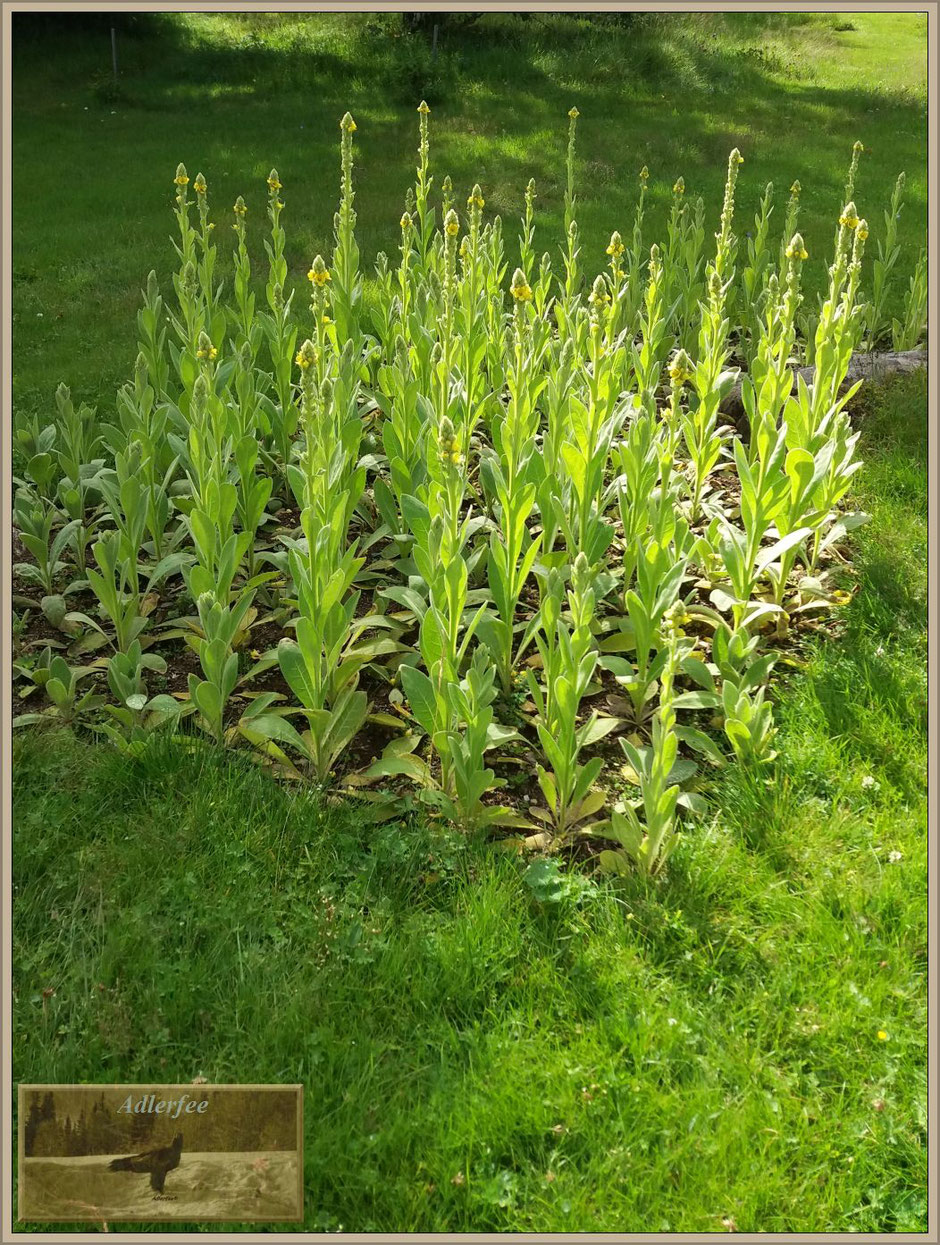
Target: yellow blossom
[679, 187]
[573, 114]
[795, 188]
[849, 217]
[181, 179]
[451, 224]
[680, 369]
[615, 246]
[274, 182]
[347, 124]
[797, 249]
[882, 1036]
[861, 230]
[476, 198]
[319, 274]
[423, 108]
[239, 207]
[520, 287]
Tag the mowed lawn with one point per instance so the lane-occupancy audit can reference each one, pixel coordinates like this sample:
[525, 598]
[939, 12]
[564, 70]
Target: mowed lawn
[741, 1045]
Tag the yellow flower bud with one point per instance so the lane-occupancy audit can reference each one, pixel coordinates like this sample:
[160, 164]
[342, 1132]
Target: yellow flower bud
[615, 246]
[181, 179]
[573, 114]
[451, 224]
[796, 249]
[679, 187]
[274, 182]
[347, 124]
[423, 108]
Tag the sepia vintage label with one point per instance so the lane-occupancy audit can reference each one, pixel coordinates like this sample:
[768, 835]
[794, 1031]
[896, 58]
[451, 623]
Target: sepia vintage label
[144, 1152]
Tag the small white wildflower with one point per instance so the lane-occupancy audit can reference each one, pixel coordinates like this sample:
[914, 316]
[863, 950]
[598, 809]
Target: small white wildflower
[868, 783]
[672, 1021]
[894, 857]
[880, 651]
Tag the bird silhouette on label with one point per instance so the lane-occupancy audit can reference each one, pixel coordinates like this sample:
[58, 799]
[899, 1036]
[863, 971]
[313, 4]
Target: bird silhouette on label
[157, 1162]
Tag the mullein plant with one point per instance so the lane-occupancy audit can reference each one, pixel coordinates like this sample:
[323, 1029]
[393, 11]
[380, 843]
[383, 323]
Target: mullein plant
[769, 382]
[755, 274]
[711, 380]
[512, 476]
[888, 251]
[906, 333]
[278, 327]
[646, 845]
[347, 283]
[568, 660]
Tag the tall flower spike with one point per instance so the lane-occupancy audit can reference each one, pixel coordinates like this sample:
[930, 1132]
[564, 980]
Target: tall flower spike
[451, 224]
[347, 124]
[423, 108]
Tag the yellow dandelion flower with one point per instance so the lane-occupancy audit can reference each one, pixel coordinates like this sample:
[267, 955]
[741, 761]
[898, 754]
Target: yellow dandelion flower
[882, 1036]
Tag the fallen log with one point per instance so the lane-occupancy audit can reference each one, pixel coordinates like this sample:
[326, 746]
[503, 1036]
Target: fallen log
[862, 366]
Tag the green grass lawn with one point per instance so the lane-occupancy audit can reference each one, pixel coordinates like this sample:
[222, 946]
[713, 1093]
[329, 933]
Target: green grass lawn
[477, 1059]
[232, 95]
[741, 1044]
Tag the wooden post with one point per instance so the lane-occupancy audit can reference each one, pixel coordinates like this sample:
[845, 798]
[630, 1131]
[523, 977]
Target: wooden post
[434, 42]
[114, 52]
